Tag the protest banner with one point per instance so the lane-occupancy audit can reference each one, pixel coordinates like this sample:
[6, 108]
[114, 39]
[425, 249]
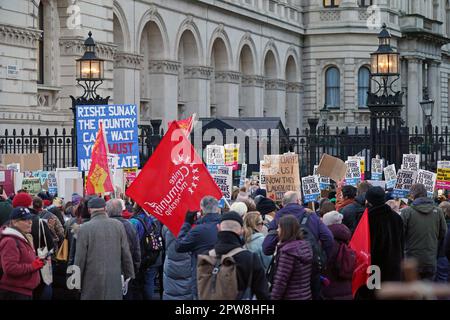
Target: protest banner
[353, 173]
[262, 174]
[120, 124]
[390, 176]
[27, 161]
[215, 154]
[443, 175]
[52, 183]
[32, 185]
[7, 180]
[311, 188]
[405, 179]
[324, 182]
[243, 175]
[410, 162]
[362, 164]
[282, 175]
[428, 179]
[68, 180]
[223, 176]
[376, 172]
[332, 167]
[130, 174]
[232, 155]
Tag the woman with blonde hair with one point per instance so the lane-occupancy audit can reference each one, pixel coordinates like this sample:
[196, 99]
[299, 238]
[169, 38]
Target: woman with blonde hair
[253, 225]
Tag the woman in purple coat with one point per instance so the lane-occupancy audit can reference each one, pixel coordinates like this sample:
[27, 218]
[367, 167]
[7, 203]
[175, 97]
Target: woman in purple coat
[292, 280]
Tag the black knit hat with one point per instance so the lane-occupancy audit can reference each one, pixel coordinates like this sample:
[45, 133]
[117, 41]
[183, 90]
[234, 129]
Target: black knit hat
[265, 206]
[232, 215]
[376, 196]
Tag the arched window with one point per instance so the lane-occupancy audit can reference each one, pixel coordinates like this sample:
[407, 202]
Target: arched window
[332, 88]
[331, 3]
[363, 86]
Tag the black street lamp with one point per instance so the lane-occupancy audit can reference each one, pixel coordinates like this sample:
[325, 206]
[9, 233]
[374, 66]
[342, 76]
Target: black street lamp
[312, 122]
[89, 75]
[427, 106]
[324, 112]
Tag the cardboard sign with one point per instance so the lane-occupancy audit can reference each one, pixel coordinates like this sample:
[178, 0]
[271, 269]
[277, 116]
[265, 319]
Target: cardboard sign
[405, 179]
[223, 176]
[282, 175]
[243, 175]
[32, 185]
[27, 161]
[411, 162]
[324, 182]
[332, 167]
[311, 189]
[390, 176]
[232, 155]
[443, 175]
[428, 179]
[263, 169]
[215, 154]
[362, 164]
[353, 174]
[377, 169]
[121, 128]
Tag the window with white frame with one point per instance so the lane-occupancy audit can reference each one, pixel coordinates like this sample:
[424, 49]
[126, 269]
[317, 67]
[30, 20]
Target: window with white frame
[363, 86]
[333, 87]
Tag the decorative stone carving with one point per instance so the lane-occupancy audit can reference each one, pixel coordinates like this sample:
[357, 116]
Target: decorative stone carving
[294, 87]
[18, 36]
[228, 77]
[128, 60]
[198, 72]
[330, 15]
[75, 46]
[163, 67]
[275, 84]
[252, 81]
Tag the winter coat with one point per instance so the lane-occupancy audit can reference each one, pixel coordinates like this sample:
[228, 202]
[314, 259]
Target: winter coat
[352, 213]
[5, 211]
[314, 224]
[338, 289]
[103, 255]
[199, 238]
[424, 228]
[150, 222]
[292, 280]
[58, 212]
[133, 242]
[57, 229]
[227, 241]
[72, 235]
[16, 256]
[255, 245]
[177, 276]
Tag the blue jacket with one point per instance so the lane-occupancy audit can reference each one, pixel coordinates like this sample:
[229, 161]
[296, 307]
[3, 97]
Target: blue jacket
[177, 276]
[149, 222]
[314, 224]
[255, 245]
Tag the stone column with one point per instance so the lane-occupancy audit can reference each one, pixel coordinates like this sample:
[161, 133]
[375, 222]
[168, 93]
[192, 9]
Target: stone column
[276, 98]
[227, 93]
[434, 91]
[127, 78]
[294, 111]
[252, 94]
[414, 111]
[197, 90]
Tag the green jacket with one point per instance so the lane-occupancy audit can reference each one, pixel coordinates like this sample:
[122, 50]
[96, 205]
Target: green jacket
[424, 226]
[5, 211]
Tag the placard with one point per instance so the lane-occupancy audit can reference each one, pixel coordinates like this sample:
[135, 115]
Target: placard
[223, 176]
[443, 175]
[215, 154]
[262, 174]
[324, 182]
[282, 175]
[232, 155]
[411, 162]
[376, 171]
[243, 175]
[27, 161]
[390, 176]
[311, 188]
[428, 179]
[52, 183]
[405, 179]
[332, 167]
[13, 166]
[63, 174]
[32, 185]
[362, 165]
[353, 173]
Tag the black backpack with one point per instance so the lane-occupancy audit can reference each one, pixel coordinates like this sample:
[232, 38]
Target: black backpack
[151, 245]
[319, 256]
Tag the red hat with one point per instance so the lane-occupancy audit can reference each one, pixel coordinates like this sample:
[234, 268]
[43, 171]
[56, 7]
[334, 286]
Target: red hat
[46, 203]
[22, 200]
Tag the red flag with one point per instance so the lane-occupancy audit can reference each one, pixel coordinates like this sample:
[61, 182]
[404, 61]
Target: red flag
[360, 243]
[99, 177]
[186, 124]
[173, 181]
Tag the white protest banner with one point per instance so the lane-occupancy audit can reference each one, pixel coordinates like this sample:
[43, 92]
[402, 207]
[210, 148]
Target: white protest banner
[52, 183]
[411, 162]
[362, 165]
[243, 175]
[13, 166]
[68, 180]
[311, 188]
[428, 179]
[405, 179]
[223, 176]
[323, 181]
[390, 176]
[353, 174]
[282, 175]
[443, 175]
[377, 169]
[215, 154]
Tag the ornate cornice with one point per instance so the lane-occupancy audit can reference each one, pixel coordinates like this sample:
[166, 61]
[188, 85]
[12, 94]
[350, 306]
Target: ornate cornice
[17, 36]
[275, 84]
[74, 46]
[163, 67]
[294, 87]
[253, 81]
[198, 72]
[128, 60]
[228, 77]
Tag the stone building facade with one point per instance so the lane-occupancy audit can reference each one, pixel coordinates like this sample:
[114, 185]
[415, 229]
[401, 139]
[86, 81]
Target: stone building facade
[283, 58]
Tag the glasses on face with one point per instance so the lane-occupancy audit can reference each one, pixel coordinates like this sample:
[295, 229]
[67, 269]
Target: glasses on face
[260, 223]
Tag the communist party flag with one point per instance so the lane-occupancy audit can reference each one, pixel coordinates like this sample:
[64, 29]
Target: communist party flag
[99, 177]
[360, 243]
[173, 180]
[186, 124]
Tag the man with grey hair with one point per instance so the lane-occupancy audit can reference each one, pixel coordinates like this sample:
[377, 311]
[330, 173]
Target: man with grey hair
[114, 208]
[200, 238]
[424, 227]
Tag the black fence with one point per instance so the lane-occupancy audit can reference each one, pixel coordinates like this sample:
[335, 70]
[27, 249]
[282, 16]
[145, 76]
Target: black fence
[432, 145]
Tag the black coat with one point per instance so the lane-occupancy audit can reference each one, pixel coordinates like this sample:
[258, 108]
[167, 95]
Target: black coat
[353, 212]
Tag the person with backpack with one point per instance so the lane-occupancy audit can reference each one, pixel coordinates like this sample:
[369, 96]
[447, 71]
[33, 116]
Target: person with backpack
[149, 231]
[230, 272]
[294, 258]
[342, 261]
[318, 235]
[54, 224]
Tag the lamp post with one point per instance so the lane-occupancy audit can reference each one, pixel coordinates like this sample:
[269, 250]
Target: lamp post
[89, 75]
[384, 103]
[427, 106]
[312, 122]
[324, 112]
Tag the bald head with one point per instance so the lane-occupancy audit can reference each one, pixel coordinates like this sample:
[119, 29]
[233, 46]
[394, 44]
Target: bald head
[291, 197]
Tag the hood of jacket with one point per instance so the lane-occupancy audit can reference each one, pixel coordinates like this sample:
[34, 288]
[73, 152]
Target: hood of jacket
[11, 232]
[256, 236]
[423, 205]
[340, 232]
[296, 248]
[361, 199]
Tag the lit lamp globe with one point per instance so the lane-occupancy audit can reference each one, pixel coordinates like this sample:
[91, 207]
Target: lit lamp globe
[89, 66]
[384, 62]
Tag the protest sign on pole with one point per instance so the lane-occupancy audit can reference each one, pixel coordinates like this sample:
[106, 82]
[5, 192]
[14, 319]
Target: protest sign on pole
[353, 174]
[405, 179]
[332, 167]
[52, 183]
[428, 179]
[311, 188]
[443, 175]
[390, 176]
[362, 165]
[32, 185]
[410, 162]
[121, 127]
[232, 155]
[243, 175]
[262, 174]
[376, 171]
[223, 176]
[324, 182]
[215, 154]
[282, 175]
